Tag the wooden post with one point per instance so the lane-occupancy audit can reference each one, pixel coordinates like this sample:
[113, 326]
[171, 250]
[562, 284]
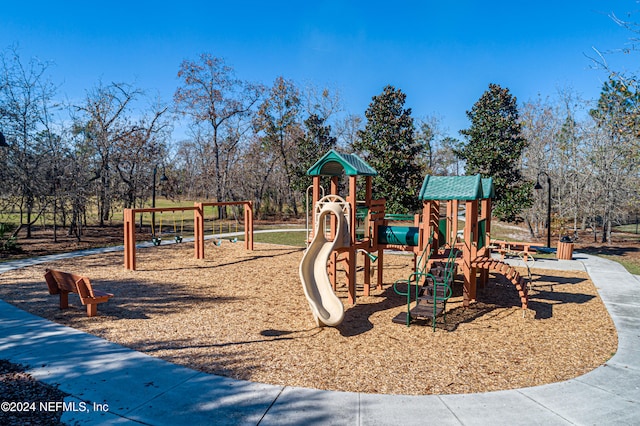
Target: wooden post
[351, 199]
[485, 213]
[474, 246]
[333, 220]
[198, 230]
[367, 235]
[352, 260]
[450, 219]
[367, 275]
[64, 299]
[351, 275]
[248, 225]
[315, 197]
[380, 267]
[453, 231]
[469, 252]
[129, 240]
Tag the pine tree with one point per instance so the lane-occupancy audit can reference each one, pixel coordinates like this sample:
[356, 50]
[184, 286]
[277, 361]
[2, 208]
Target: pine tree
[615, 158]
[494, 149]
[387, 144]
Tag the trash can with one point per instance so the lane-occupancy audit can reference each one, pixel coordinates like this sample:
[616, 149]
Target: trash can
[565, 249]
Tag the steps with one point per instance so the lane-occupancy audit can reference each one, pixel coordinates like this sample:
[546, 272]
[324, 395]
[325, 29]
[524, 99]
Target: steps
[509, 272]
[431, 298]
[422, 309]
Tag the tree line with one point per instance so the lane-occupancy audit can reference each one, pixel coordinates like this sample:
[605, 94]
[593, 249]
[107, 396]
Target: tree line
[245, 140]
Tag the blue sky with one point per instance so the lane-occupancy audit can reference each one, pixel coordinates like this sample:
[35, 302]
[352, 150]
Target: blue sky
[443, 54]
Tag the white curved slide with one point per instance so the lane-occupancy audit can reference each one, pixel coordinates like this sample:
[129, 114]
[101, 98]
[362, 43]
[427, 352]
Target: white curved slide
[326, 307]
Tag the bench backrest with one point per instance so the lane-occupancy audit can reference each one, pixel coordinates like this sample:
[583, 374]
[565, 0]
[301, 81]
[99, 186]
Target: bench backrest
[58, 280]
[84, 288]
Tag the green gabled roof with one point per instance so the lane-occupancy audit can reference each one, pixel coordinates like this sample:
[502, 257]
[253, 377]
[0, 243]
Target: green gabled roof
[451, 188]
[488, 190]
[333, 164]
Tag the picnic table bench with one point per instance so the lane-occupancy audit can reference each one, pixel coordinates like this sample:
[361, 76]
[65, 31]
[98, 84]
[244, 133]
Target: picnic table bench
[513, 248]
[63, 283]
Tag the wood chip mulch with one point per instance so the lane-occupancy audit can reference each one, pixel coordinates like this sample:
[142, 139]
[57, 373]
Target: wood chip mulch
[243, 314]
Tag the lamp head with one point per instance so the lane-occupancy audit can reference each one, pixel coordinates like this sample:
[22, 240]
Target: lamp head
[537, 187]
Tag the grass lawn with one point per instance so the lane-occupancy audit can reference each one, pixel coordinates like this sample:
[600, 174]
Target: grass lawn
[294, 238]
[631, 264]
[631, 228]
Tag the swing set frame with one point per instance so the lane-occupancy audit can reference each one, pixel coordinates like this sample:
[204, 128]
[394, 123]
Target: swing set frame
[198, 221]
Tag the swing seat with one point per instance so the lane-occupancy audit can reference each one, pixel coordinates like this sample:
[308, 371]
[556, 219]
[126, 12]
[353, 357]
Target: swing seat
[178, 238]
[156, 241]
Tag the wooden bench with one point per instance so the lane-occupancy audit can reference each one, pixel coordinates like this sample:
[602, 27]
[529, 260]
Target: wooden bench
[63, 283]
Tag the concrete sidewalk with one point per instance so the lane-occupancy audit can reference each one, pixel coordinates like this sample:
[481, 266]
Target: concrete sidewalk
[110, 384]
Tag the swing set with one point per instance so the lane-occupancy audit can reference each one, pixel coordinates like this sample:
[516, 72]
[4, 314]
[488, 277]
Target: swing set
[198, 228]
[177, 236]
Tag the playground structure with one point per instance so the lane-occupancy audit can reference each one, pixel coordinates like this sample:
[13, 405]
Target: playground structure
[326, 306]
[198, 227]
[433, 239]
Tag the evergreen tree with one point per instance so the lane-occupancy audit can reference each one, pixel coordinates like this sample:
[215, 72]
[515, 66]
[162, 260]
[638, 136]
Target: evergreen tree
[614, 156]
[618, 113]
[315, 142]
[387, 144]
[494, 149]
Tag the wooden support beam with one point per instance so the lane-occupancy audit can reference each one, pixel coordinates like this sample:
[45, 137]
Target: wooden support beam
[198, 230]
[469, 252]
[351, 276]
[129, 240]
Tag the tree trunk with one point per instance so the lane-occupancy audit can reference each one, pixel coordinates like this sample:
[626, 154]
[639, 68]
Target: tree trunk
[29, 210]
[531, 233]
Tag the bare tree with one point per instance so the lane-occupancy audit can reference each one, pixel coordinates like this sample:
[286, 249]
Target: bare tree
[219, 103]
[347, 130]
[105, 123]
[25, 97]
[138, 152]
[279, 122]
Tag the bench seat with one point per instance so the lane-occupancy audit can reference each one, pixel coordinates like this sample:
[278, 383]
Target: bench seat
[63, 283]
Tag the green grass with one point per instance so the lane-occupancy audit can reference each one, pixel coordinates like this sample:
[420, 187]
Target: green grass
[544, 255]
[163, 202]
[630, 228]
[630, 264]
[295, 239]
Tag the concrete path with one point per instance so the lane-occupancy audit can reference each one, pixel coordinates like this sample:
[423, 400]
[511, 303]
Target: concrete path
[110, 384]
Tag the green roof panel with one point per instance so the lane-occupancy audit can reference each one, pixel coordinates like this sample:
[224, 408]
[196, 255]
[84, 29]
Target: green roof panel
[488, 190]
[334, 163]
[451, 188]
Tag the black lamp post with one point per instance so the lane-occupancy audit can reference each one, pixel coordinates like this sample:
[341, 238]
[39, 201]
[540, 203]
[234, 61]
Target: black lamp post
[163, 178]
[538, 187]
